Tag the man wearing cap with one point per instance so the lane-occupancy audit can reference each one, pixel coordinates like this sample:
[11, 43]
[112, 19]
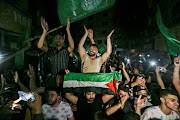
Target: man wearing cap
[168, 108]
[88, 104]
[140, 90]
[92, 63]
[121, 105]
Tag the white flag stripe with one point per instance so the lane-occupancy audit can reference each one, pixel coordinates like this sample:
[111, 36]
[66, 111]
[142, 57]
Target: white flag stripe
[74, 83]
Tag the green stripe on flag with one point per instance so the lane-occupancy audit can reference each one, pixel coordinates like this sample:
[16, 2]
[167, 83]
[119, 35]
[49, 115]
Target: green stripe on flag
[98, 80]
[96, 77]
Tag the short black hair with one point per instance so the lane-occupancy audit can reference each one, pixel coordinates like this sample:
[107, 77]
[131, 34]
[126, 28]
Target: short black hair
[123, 87]
[94, 45]
[99, 115]
[131, 116]
[166, 92]
[53, 89]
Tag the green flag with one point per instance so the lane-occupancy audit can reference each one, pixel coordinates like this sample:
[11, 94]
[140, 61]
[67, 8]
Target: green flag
[97, 80]
[79, 9]
[173, 45]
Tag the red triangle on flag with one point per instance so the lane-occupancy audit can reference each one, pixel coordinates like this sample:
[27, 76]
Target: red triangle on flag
[112, 85]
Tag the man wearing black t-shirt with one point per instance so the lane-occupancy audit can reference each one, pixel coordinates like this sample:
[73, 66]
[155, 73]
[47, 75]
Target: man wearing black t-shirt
[88, 104]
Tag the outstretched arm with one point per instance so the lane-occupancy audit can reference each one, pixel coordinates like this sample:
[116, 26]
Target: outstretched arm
[176, 81]
[120, 104]
[125, 73]
[71, 98]
[159, 80]
[82, 51]
[42, 38]
[106, 98]
[109, 48]
[16, 78]
[70, 39]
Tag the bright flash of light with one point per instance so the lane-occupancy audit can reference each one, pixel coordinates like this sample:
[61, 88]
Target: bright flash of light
[148, 55]
[1, 56]
[128, 60]
[15, 105]
[153, 63]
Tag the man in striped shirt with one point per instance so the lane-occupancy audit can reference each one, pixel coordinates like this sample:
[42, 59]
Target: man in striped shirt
[59, 56]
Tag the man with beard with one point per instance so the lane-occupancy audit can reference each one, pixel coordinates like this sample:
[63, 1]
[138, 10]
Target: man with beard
[167, 110]
[56, 109]
[92, 63]
[88, 104]
[59, 56]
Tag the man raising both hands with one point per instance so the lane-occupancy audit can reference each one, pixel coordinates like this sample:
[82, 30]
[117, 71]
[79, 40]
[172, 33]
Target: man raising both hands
[90, 61]
[59, 56]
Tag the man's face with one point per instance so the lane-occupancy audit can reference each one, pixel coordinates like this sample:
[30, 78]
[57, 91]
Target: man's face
[53, 98]
[103, 69]
[171, 102]
[59, 40]
[90, 96]
[142, 92]
[122, 93]
[93, 50]
[136, 71]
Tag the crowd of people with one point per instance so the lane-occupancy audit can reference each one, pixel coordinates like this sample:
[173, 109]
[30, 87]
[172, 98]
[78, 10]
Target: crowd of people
[146, 90]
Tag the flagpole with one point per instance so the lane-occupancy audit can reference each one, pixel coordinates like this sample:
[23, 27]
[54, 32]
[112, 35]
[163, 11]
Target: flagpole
[38, 36]
[26, 48]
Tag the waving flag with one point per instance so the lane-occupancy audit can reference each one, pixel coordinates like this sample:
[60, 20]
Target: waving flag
[101, 82]
[173, 45]
[79, 9]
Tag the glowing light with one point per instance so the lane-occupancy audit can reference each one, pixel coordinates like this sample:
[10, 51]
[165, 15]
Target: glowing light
[15, 105]
[153, 63]
[148, 55]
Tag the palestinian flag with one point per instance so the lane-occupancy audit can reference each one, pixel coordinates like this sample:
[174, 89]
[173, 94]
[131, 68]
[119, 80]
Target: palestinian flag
[95, 82]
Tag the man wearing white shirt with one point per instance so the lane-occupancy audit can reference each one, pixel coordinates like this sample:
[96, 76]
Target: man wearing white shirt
[168, 108]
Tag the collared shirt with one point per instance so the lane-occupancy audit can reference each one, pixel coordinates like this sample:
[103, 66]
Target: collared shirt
[58, 59]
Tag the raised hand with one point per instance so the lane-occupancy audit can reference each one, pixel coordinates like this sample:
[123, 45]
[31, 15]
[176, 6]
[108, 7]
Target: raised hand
[177, 61]
[124, 99]
[3, 80]
[68, 24]
[44, 24]
[73, 107]
[124, 66]
[67, 71]
[110, 34]
[141, 102]
[31, 72]
[90, 35]
[111, 69]
[36, 104]
[86, 31]
[16, 77]
[157, 69]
